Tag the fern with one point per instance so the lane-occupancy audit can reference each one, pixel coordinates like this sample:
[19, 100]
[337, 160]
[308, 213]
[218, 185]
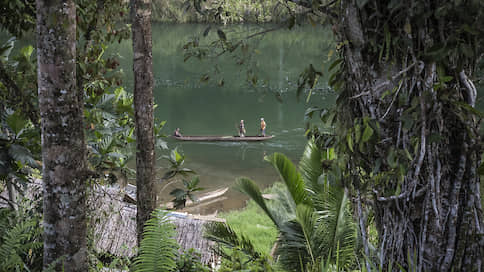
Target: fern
[16, 244]
[158, 248]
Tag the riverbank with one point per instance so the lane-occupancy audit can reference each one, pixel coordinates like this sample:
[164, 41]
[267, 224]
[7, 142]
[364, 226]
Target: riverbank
[234, 11]
[254, 224]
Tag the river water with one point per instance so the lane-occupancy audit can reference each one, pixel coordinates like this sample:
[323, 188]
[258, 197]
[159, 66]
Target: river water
[206, 108]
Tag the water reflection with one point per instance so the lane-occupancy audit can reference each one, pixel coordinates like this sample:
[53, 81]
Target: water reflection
[208, 109]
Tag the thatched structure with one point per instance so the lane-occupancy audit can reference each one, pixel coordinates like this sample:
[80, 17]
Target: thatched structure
[114, 225]
[113, 222]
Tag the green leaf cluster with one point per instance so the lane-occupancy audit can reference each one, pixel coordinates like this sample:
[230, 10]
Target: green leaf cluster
[311, 213]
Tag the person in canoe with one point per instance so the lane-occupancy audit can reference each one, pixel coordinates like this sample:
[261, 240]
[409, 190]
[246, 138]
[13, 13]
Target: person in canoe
[262, 127]
[177, 133]
[241, 129]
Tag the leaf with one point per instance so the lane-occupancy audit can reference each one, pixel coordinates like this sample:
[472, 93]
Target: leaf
[16, 122]
[178, 193]
[158, 248]
[6, 49]
[27, 51]
[310, 165]
[22, 154]
[335, 64]
[206, 31]
[249, 187]
[349, 140]
[367, 134]
[221, 35]
[392, 158]
[290, 176]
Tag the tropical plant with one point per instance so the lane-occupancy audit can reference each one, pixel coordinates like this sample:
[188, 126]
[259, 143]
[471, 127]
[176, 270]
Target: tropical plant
[19, 152]
[190, 261]
[181, 195]
[313, 217]
[237, 250]
[176, 160]
[158, 248]
[20, 242]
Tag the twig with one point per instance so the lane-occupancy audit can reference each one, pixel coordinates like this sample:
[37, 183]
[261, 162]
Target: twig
[252, 36]
[393, 100]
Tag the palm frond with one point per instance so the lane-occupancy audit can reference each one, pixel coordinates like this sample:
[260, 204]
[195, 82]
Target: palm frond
[158, 248]
[340, 229]
[310, 166]
[290, 176]
[224, 235]
[292, 249]
[282, 207]
[249, 187]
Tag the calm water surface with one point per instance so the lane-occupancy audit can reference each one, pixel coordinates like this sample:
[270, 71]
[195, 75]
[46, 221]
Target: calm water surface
[205, 108]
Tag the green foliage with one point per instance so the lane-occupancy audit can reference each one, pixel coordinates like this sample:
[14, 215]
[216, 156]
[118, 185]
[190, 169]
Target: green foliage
[158, 248]
[20, 242]
[317, 224]
[226, 11]
[181, 195]
[176, 160]
[190, 261]
[17, 16]
[237, 250]
[251, 222]
[19, 149]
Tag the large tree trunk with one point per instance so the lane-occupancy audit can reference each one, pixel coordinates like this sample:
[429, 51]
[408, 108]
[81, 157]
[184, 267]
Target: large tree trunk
[425, 188]
[63, 147]
[143, 107]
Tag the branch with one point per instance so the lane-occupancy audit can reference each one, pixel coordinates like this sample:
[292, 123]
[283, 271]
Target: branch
[400, 196]
[252, 36]
[422, 142]
[471, 89]
[453, 211]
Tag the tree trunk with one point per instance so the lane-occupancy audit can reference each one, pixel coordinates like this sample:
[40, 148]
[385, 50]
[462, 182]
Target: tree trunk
[143, 107]
[425, 149]
[63, 146]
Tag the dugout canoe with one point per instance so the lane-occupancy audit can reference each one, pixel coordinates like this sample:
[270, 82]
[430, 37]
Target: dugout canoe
[223, 138]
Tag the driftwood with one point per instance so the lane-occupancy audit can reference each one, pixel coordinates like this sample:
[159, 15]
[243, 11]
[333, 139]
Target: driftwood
[217, 194]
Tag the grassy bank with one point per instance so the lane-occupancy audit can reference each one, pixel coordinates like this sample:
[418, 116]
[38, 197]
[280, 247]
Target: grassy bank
[253, 223]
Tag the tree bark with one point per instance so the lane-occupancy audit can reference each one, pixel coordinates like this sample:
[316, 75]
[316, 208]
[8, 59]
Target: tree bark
[63, 146]
[428, 211]
[143, 107]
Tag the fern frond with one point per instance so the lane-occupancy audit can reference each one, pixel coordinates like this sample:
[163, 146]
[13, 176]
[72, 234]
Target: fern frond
[15, 243]
[158, 248]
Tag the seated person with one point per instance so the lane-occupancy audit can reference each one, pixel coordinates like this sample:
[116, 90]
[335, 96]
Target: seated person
[177, 133]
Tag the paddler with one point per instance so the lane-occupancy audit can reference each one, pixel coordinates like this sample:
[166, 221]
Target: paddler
[262, 127]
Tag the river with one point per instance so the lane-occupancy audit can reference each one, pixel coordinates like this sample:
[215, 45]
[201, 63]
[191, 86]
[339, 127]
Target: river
[206, 108]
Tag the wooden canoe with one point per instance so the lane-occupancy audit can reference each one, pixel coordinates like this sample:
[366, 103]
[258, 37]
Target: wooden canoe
[224, 138]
